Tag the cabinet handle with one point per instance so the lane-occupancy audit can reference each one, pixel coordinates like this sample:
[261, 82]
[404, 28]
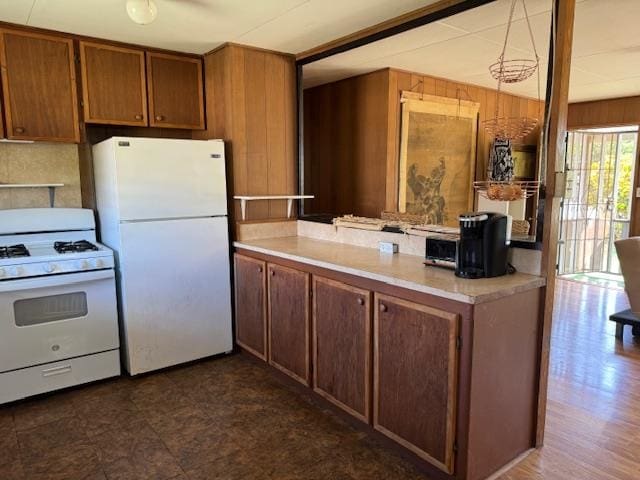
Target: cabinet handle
[159, 118]
[259, 269]
[383, 307]
[273, 273]
[18, 130]
[361, 301]
[138, 117]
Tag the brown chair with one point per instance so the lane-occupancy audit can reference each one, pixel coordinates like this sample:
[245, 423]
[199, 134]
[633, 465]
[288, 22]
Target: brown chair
[629, 256]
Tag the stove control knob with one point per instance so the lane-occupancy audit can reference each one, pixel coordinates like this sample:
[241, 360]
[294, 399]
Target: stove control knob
[2, 272]
[100, 263]
[49, 267]
[85, 265]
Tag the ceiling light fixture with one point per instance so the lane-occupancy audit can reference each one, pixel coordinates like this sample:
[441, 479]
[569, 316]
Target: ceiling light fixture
[142, 12]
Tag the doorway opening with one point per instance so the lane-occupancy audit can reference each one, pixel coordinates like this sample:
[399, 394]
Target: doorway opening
[596, 209]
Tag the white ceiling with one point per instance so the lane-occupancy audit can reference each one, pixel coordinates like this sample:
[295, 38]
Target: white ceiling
[606, 50]
[198, 26]
[606, 59]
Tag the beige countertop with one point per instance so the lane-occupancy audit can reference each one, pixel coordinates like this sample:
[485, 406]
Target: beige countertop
[401, 270]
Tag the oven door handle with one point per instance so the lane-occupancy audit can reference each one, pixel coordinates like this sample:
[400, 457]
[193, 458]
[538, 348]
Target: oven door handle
[55, 280]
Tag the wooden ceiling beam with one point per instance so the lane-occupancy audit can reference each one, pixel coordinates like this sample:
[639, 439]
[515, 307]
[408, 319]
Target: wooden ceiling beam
[416, 18]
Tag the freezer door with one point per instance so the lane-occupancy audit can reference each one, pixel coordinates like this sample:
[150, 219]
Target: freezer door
[166, 178]
[175, 292]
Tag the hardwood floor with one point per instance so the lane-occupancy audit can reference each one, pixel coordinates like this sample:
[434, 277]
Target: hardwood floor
[593, 419]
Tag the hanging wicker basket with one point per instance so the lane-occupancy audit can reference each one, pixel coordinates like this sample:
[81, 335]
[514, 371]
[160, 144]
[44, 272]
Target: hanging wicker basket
[506, 191]
[510, 128]
[513, 71]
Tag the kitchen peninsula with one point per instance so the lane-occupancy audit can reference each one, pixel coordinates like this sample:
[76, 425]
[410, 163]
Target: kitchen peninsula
[445, 367]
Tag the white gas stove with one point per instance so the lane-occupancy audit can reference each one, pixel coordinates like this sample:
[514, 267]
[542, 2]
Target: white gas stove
[58, 310]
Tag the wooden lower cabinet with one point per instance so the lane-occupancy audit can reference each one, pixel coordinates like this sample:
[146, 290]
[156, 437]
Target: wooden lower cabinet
[415, 377]
[251, 305]
[289, 335]
[342, 345]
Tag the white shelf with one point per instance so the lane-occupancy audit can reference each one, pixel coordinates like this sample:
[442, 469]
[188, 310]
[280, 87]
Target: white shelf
[51, 186]
[289, 198]
[31, 185]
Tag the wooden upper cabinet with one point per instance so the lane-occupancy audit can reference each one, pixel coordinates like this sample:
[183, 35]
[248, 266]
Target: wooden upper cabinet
[342, 345]
[415, 377]
[289, 345]
[39, 87]
[176, 98]
[114, 85]
[251, 305]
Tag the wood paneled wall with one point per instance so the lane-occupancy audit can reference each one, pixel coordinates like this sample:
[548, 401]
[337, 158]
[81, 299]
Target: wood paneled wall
[611, 113]
[345, 145]
[352, 136]
[251, 105]
[604, 113]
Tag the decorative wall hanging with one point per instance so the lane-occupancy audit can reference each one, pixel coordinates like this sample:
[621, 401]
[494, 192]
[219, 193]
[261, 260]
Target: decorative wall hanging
[500, 161]
[437, 157]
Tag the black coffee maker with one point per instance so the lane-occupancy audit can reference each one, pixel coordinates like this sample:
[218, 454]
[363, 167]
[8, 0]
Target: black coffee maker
[482, 250]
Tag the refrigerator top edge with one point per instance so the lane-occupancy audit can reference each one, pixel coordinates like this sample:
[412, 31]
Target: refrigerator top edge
[179, 140]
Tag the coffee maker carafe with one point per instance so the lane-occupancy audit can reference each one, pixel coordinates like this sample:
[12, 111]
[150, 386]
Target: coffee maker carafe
[483, 247]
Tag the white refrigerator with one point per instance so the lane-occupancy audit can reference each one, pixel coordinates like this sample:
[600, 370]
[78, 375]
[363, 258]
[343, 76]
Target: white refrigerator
[162, 207]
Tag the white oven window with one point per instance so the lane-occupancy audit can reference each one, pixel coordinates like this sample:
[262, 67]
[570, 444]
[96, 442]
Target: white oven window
[52, 308]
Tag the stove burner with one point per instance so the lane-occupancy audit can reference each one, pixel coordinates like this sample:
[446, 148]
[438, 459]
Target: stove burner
[14, 251]
[73, 247]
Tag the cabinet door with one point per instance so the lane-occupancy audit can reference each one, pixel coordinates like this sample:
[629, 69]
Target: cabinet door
[39, 88]
[289, 321]
[176, 98]
[114, 85]
[342, 345]
[251, 305]
[415, 377]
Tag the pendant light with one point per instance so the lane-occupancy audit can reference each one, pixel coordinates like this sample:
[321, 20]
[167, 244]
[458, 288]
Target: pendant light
[142, 12]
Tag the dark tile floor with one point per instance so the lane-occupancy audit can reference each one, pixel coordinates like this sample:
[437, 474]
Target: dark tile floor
[226, 419]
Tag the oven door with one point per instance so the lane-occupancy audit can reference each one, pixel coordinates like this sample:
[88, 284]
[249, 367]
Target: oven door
[47, 319]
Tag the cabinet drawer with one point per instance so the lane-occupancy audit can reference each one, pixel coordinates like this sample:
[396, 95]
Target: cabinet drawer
[26, 382]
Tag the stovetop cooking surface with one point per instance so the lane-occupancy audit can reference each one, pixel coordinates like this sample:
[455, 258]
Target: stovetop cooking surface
[73, 247]
[13, 251]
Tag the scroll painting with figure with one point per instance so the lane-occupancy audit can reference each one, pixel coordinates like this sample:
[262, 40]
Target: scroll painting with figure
[437, 157]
